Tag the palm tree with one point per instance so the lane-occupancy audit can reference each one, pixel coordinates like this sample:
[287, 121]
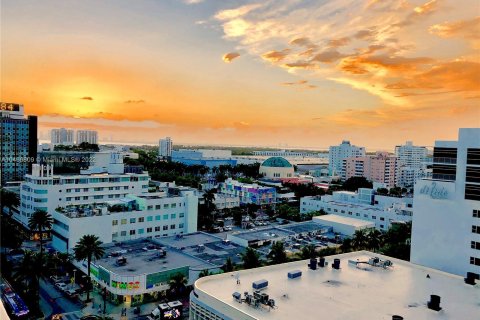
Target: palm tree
[228, 266]
[178, 283]
[374, 239]
[346, 245]
[8, 200]
[251, 259]
[88, 248]
[40, 221]
[29, 272]
[359, 240]
[277, 254]
[209, 198]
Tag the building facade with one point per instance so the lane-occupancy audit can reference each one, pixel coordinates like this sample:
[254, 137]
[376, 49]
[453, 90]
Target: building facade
[379, 168]
[248, 193]
[446, 221]
[338, 153]
[204, 157]
[18, 142]
[411, 164]
[289, 154]
[62, 136]
[165, 147]
[89, 136]
[363, 205]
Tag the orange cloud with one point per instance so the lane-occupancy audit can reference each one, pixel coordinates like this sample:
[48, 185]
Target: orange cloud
[328, 56]
[86, 98]
[469, 29]
[335, 43]
[275, 56]
[228, 57]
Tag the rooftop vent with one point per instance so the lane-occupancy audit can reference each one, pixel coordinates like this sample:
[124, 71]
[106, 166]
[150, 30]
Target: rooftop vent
[294, 274]
[471, 277]
[321, 262]
[395, 317]
[336, 264]
[434, 303]
[313, 264]
[260, 284]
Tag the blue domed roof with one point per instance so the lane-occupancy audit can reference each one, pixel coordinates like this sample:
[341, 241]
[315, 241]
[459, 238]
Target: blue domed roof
[276, 162]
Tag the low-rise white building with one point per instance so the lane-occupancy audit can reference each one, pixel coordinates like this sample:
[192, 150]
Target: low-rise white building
[364, 205]
[225, 201]
[343, 225]
[352, 286]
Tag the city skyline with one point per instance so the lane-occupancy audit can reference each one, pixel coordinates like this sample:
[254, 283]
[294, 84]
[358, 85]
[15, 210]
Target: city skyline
[306, 74]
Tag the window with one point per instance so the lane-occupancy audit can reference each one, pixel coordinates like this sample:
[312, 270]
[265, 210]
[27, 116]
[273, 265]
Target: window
[141, 219]
[476, 229]
[475, 245]
[150, 208]
[140, 231]
[132, 220]
[114, 222]
[475, 261]
[476, 213]
[174, 205]
[165, 227]
[165, 216]
[157, 207]
[382, 219]
[165, 206]
[123, 233]
[157, 229]
[382, 226]
[182, 214]
[77, 198]
[157, 218]
[149, 230]
[173, 216]
[115, 234]
[357, 214]
[374, 217]
[180, 225]
[150, 218]
[172, 226]
[85, 198]
[132, 232]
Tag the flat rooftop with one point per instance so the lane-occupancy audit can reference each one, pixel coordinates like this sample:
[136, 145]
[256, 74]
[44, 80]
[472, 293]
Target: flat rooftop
[351, 293]
[344, 220]
[142, 258]
[305, 227]
[270, 233]
[213, 249]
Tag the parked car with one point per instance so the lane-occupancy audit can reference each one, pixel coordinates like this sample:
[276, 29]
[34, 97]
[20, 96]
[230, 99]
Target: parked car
[56, 279]
[71, 293]
[61, 286]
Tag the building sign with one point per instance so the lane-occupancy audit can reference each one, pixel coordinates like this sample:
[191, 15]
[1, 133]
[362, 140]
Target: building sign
[132, 285]
[434, 191]
[4, 106]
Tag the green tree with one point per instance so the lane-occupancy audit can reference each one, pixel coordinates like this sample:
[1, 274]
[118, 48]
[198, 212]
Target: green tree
[359, 240]
[346, 245]
[87, 248]
[353, 183]
[251, 258]
[374, 239]
[382, 191]
[9, 200]
[204, 273]
[308, 252]
[228, 266]
[178, 284]
[277, 254]
[40, 221]
[28, 273]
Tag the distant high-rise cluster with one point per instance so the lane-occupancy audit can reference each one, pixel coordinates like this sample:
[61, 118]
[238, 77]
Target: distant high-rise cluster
[65, 137]
[411, 164]
[18, 142]
[165, 147]
[338, 153]
[378, 168]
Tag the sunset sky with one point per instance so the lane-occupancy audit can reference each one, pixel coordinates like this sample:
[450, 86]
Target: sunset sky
[266, 73]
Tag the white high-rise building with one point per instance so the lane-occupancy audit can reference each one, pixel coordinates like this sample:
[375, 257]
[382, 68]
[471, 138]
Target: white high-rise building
[338, 153]
[411, 163]
[446, 218]
[89, 136]
[62, 136]
[165, 147]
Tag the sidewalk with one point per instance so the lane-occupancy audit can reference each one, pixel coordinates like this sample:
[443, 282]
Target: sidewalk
[115, 311]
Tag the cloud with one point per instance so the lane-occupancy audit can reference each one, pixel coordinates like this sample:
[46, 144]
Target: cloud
[328, 56]
[335, 43]
[302, 84]
[275, 56]
[86, 98]
[365, 34]
[427, 7]
[303, 42]
[193, 1]
[229, 57]
[135, 101]
[236, 13]
[468, 29]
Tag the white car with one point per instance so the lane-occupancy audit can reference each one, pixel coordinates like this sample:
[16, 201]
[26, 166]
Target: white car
[61, 286]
